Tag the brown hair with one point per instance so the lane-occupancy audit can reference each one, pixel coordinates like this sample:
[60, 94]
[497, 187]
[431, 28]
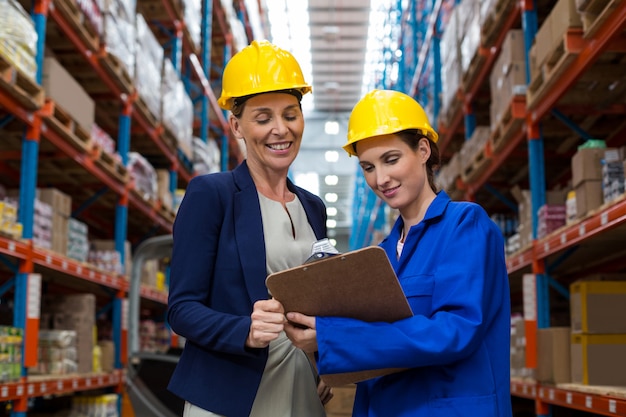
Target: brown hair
[239, 103]
[412, 137]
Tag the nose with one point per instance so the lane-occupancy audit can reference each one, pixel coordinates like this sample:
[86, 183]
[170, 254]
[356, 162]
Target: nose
[280, 127]
[382, 178]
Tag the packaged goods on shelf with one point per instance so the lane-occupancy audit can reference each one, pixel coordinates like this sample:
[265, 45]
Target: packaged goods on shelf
[76, 312]
[178, 198]
[550, 218]
[513, 244]
[508, 76]
[164, 194]
[8, 219]
[450, 64]
[206, 156]
[77, 240]
[105, 405]
[598, 359]
[57, 353]
[67, 93]
[10, 353]
[93, 13]
[192, 15]
[598, 305]
[144, 175]
[177, 110]
[448, 173]
[518, 349]
[612, 175]
[472, 148]
[61, 205]
[469, 26]
[523, 197]
[119, 34]
[589, 196]
[587, 161]
[148, 65]
[42, 225]
[104, 140]
[18, 38]
[103, 255]
[570, 207]
[553, 359]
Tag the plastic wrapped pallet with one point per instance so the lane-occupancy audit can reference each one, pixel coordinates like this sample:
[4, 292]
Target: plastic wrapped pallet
[148, 63]
[119, 32]
[144, 175]
[18, 38]
[192, 14]
[177, 110]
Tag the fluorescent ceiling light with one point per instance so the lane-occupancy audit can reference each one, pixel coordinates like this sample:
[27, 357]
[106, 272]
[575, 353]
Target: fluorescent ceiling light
[309, 181]
[331, 197]
[331, 156]
[331, 127]
[331, 224]
[331, 179]
[331, 211]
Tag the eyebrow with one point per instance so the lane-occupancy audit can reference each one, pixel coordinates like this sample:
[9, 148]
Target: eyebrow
[264, 109]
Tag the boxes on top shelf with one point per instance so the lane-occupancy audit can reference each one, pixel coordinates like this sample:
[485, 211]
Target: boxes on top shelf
[598, 304]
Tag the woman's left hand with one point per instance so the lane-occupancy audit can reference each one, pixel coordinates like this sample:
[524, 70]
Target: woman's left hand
[324, 391]
[300, 329]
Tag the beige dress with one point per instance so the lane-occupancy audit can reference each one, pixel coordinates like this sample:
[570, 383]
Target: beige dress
[289, 385]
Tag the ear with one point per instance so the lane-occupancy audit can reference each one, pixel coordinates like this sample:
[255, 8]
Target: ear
[235, 126]
[424, 149]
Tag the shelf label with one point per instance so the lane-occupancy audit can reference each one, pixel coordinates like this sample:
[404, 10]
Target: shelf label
[613, 406]
[546, 246]
[64, 265]
[11, 247]
[20, 390]
[581, 230]
[43, 387]
[48, 259]
[4, 392]
[79, 269]
[74, 384]
[31, 389]
[588, 402]
[604, 218]
[568, 398]
[60, 385]
[551, 395]
[563, 238]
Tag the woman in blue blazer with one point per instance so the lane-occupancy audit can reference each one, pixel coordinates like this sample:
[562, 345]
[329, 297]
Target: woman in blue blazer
[449, 259]
[232, 229]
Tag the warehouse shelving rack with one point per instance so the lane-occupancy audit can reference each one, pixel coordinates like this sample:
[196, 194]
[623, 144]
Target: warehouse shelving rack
[517, 146]
[69, 155]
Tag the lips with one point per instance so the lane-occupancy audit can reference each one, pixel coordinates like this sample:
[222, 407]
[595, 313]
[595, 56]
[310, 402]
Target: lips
[389, 192]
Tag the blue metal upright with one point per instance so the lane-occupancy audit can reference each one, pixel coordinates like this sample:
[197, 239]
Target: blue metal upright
[224, 138]
[205, 39]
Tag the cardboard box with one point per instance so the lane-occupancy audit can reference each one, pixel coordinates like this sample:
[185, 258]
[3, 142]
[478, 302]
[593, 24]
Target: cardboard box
[553, 361]
[598, 307]
[67, 93]
[589, 196]
[598, 359]
[587, 164]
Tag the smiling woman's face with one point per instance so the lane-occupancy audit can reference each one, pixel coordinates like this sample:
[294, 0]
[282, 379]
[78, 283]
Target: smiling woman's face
[393, 170]
[271, 125]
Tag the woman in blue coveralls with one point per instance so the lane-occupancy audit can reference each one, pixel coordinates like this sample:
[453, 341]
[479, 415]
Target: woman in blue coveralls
[449, 259]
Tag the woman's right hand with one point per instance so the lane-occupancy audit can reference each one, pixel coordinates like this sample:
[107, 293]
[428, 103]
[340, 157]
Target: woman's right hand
[268, 320]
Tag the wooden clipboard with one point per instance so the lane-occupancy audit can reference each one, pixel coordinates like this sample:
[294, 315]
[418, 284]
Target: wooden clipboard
[360, 284]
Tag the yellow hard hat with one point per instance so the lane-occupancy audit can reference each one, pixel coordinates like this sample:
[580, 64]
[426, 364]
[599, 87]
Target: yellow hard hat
[260, 67]
[382, 112]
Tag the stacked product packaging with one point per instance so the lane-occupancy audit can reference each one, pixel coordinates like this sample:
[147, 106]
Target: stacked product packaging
[10, 353]
[18, 38]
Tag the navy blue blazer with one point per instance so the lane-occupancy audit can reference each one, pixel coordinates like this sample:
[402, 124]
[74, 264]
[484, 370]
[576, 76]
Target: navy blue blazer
[217, 273]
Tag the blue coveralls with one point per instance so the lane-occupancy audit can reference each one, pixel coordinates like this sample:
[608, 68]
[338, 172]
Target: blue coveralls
[457, 343]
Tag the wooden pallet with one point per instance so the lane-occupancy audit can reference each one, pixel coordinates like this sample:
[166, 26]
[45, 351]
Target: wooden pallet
[555, 64]
[81, 26]
[112, 166]
[168, 138]
[165, 212]
[158, 9]
[494, 22]
[118, 72]
[476, 166]
[595, 12]
[65, 126]
[20, 86]
[510, 122]
[142, 108]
